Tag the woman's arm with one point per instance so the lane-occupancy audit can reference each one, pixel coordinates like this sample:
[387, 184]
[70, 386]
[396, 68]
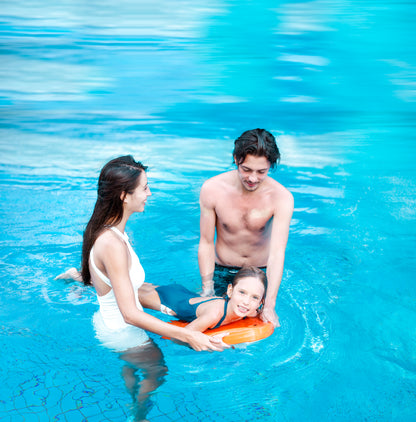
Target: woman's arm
[113, 254]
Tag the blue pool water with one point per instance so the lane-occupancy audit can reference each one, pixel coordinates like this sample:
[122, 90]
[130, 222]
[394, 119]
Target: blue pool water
[81, 83]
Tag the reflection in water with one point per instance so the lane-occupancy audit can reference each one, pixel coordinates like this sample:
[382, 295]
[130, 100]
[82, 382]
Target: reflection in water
[144, 371]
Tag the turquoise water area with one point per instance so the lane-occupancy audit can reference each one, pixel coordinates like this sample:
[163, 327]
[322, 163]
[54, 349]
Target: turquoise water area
[174, 85]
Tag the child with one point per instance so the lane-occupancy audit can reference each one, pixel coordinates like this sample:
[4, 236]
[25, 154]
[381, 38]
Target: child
[244, 298]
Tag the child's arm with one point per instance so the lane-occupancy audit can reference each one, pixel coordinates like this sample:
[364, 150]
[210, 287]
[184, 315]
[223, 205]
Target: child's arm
[208, 316]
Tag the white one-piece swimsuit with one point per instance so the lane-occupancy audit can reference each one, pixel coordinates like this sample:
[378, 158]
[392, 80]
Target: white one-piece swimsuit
[109, 324]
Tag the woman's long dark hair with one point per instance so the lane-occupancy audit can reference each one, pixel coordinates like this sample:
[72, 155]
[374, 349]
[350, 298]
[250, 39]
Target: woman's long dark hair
[119, 176]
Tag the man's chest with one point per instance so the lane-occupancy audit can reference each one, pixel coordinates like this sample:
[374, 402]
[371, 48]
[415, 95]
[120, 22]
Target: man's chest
[239, 216]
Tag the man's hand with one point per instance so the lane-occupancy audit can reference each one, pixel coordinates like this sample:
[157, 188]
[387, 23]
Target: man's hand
[208, 288]
[269, 314]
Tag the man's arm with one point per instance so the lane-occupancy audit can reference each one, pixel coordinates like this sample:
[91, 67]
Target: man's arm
[206, 249]
[275, 262]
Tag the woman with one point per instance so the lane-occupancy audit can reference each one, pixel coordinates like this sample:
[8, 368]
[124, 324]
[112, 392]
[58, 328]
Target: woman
[113, 268]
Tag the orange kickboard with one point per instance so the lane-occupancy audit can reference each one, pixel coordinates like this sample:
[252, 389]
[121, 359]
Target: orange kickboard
[242, 331]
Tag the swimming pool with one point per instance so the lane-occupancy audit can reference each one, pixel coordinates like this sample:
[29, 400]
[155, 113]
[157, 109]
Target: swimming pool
[333, 79]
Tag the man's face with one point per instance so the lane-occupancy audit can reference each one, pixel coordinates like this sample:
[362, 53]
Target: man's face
[252, 171]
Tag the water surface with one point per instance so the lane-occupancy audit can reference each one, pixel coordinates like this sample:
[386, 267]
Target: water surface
[334, 80]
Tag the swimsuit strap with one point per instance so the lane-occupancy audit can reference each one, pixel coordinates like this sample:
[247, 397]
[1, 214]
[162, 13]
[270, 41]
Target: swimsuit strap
[225, 307]
[100, 274]
[208, 300]
[118, 232]
[225, 313]
[124, 236]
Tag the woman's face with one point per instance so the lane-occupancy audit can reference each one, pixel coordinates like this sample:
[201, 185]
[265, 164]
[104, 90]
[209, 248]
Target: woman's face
[136, 201]
[246, 296]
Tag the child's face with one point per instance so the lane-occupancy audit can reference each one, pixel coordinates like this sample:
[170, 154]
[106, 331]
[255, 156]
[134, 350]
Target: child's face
[246, 296]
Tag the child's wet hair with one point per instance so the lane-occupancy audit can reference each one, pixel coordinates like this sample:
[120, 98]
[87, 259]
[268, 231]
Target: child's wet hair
[251, 271]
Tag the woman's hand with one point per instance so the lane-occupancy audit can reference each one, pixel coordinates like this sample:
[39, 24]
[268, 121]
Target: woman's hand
[201, 342]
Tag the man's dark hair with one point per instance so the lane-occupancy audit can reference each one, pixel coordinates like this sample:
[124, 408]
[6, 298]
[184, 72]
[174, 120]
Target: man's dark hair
[257, 142]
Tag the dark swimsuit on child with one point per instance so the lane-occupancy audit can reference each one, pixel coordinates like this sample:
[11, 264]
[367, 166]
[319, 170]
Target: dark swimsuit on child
[176, 297]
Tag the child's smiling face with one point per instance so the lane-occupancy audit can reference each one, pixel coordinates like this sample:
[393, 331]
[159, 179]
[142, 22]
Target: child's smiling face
[246, 296]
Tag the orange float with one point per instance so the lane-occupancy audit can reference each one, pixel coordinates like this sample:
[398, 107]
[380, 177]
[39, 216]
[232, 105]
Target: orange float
[242, 331]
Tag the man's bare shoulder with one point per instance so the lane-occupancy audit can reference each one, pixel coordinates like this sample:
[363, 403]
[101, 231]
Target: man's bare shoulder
[220, 183]
[278, 187]
[280, 195]
[220, 179]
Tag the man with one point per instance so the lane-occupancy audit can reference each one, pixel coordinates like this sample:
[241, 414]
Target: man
[249, 214]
